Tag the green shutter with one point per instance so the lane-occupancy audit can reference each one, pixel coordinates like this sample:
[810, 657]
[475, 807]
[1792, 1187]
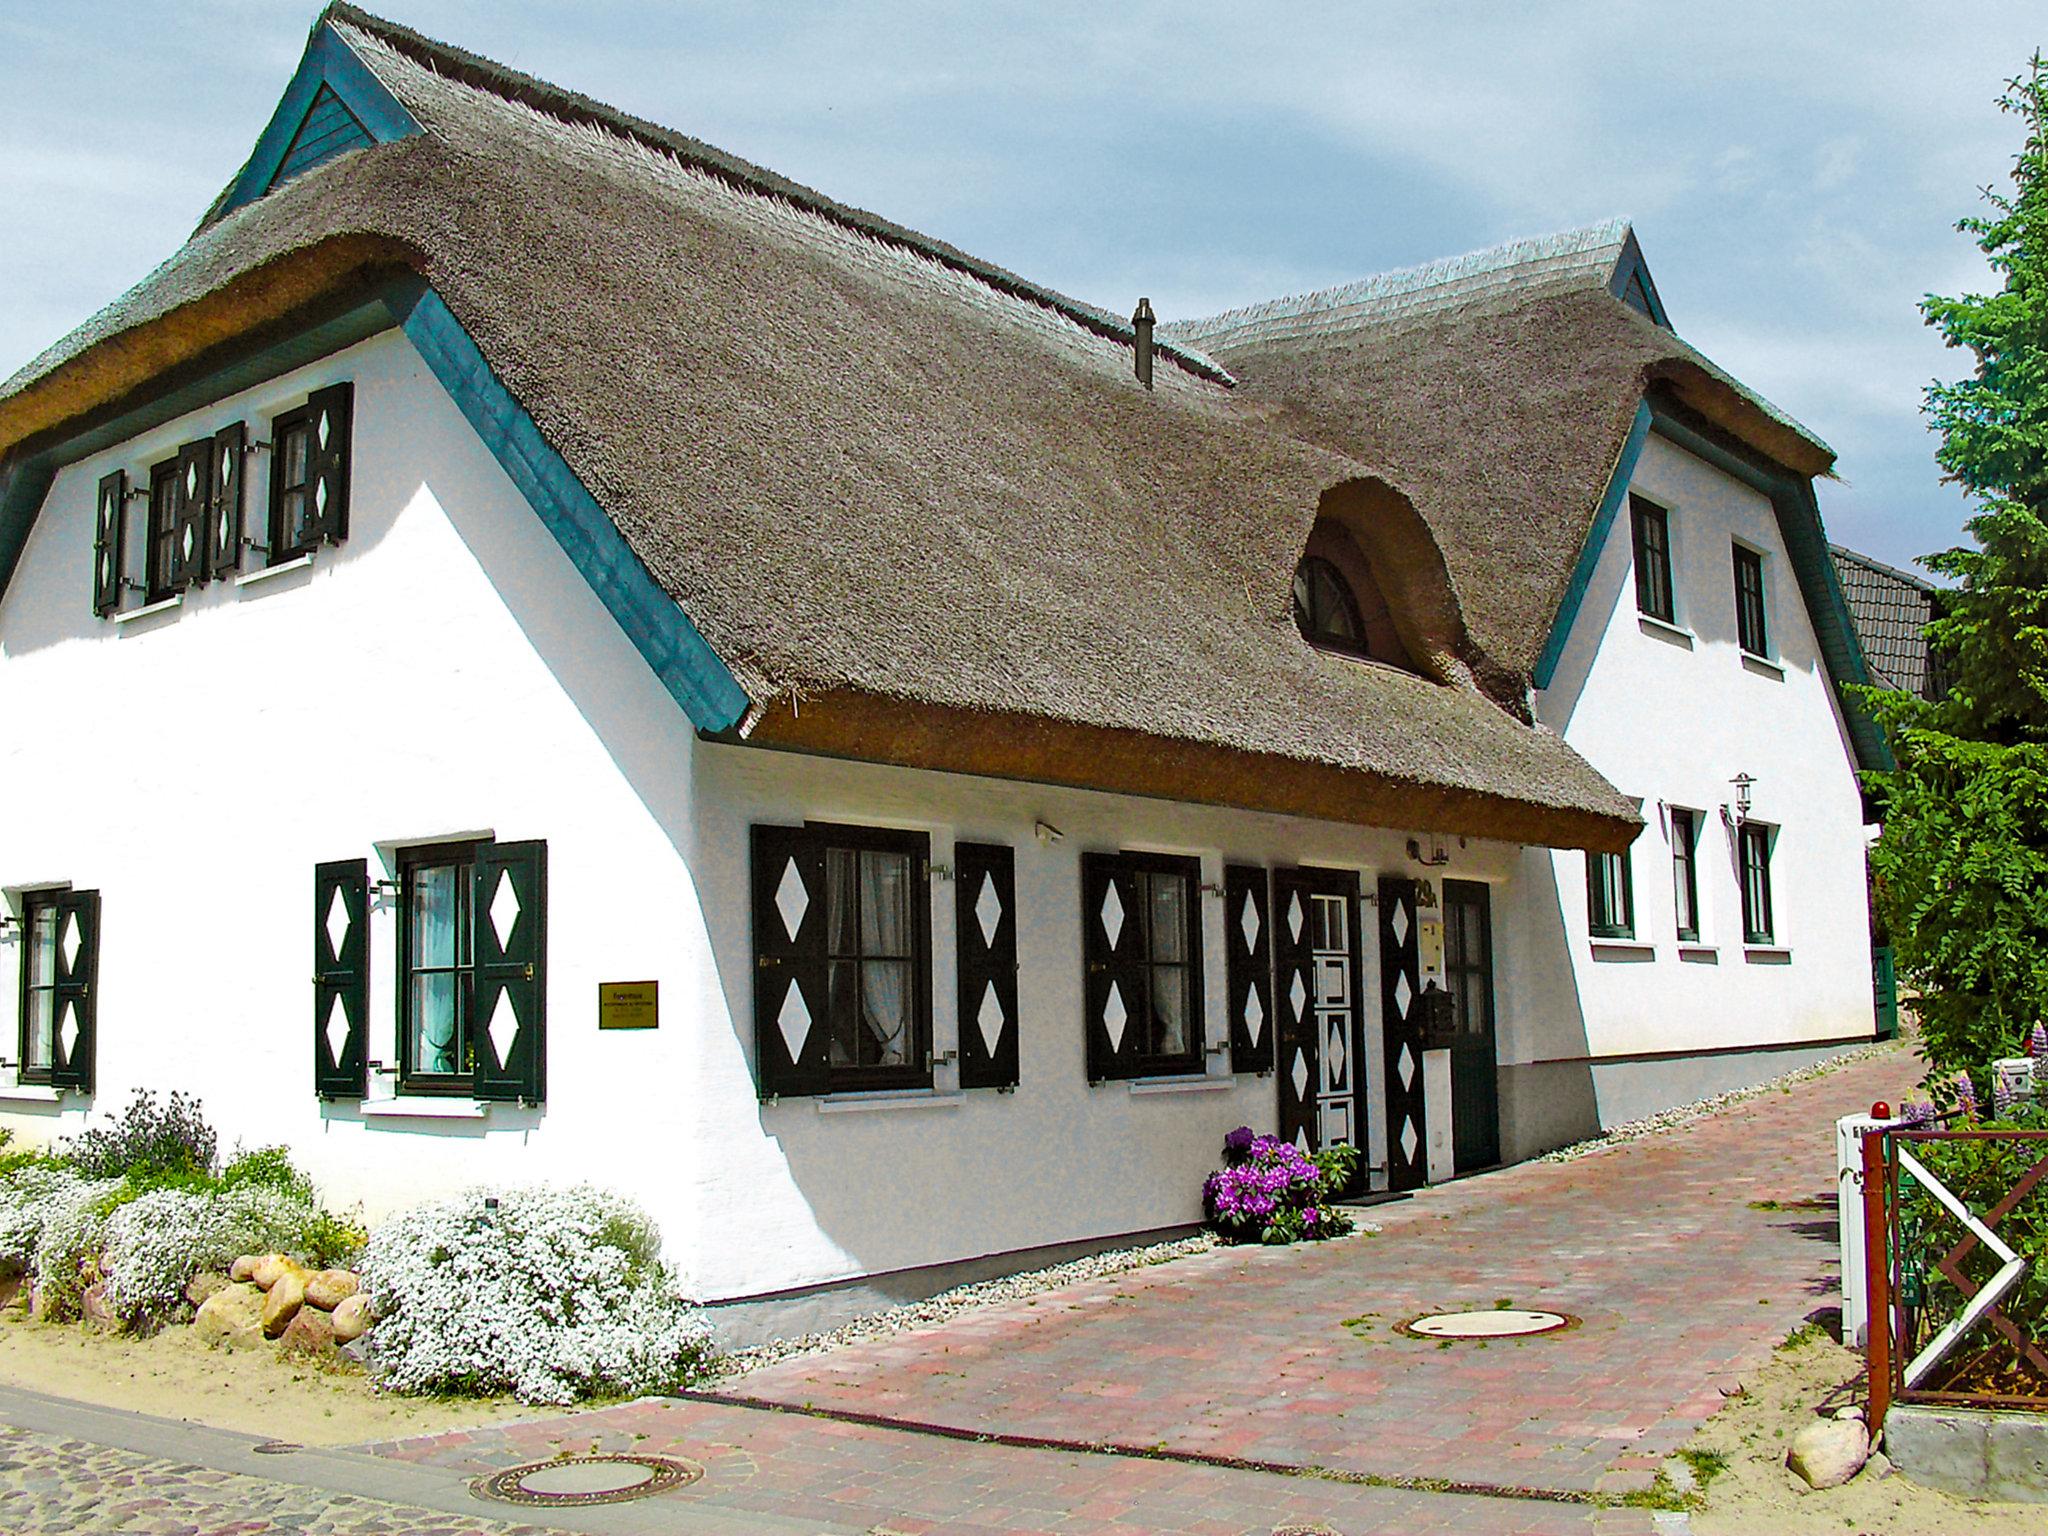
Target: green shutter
[791, 1026]
[77, 992]
[224, 507]
[985, 926]
[329, 414]
[110, 523]
[341, 979]
[191, 501]
[1248, 969]
[1113, 980]
[508, 1024]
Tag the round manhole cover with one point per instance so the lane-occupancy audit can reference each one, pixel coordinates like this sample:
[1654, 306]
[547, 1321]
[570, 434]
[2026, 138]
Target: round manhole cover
[571, 1480]
[1494, 1323]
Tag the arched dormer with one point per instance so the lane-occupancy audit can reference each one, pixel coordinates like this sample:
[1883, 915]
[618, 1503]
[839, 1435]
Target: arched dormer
[1338, 605]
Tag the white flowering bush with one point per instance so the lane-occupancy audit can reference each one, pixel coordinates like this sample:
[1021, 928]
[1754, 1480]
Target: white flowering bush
[550, 1294]
[74, 1215]
[156, 1242]
[27, 1196]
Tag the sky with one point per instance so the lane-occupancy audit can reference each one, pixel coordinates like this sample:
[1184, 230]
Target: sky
[1794, 171]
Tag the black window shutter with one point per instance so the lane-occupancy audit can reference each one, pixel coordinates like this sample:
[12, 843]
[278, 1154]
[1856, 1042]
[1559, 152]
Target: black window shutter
[109, 530]
[1112, 978]
[328, 413]
[341, 979]
[508, 1023]
[77, 991]
[791, 1039]
[191, 497]
[985, 921]
[224, 507]
[1248, 974]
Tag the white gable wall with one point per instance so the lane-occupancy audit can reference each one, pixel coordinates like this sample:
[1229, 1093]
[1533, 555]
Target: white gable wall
[1673, 718]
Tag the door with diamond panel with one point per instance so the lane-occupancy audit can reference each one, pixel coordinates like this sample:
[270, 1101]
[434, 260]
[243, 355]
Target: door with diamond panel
[1315, 981]
[1400, 986]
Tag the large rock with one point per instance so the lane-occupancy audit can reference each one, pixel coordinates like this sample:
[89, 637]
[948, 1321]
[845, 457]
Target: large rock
[93, 1308]
[244, 1268]
[232, 1315]
[310, 1332]
[266, 1269]
[285, 1295]
[351, 1319]
[206, 1283]
[1829, 1452]
[329, 1288]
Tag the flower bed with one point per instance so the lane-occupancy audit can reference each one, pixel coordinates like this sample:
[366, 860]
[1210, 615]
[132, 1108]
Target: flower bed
[1269, 1191]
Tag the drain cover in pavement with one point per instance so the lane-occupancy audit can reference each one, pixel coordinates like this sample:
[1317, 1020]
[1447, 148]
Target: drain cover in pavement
[568, 1481]
[1494, 1323]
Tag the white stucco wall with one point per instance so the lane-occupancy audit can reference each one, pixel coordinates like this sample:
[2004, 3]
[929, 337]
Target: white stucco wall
[1673, 718]
[447, 672]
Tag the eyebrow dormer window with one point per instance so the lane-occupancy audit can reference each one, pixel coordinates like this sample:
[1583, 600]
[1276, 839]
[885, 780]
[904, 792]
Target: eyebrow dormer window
[1324, 610]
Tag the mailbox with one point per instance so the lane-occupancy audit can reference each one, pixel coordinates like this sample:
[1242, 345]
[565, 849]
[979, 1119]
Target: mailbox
[1439, 1019]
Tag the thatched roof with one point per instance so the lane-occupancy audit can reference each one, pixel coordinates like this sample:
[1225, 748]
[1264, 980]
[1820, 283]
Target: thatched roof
[1497, 391]
[862, 463]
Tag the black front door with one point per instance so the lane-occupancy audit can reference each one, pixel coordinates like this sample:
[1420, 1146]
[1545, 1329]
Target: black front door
[1401, 1019]
[1468, 973]
[1315, 981]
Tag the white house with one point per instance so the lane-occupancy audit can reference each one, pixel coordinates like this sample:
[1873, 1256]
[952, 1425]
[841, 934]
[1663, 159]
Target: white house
[531, 649]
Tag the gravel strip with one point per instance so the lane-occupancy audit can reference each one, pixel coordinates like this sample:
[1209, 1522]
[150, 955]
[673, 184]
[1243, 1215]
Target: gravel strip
[964, 1298]
[1683, 1114]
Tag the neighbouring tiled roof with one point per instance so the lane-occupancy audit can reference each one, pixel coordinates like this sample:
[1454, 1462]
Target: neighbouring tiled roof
[1891, 609]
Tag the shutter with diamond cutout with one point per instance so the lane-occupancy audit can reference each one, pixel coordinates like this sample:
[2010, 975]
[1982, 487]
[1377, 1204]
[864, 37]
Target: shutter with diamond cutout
[508, 1022]
[341, 979]
[1294, 1022]
[985, 920]
[328, 414]
[224, 508]
[1248, 972]
[109, 532]
[791, 1039]
[191, 501]
[76, 996]
[1113, 979]
[1401, 1028]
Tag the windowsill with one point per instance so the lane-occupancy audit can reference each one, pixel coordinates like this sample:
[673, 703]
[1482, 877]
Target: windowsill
[1767, 954]
[1664, 629]
[1192, 1083]
[425, 1107]
[151, 610]
[1623, 949]
[887, 1099]
[1763, 666]
[282, 568]
[1700, 954]
[30, 1093]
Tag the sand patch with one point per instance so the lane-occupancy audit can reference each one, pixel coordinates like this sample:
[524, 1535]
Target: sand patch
[175, 1376]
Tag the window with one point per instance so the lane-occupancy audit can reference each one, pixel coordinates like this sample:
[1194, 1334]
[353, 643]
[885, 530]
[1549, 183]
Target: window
[1610, 897]
[1758, 926]
[59, 985]
[1142, 944]
[437, 967]
[1653, 559]
[1324, 610]
[1685, 880]
[38, 990]
[161, 563]
[1750, 629]
[309, 473]
[842, 959]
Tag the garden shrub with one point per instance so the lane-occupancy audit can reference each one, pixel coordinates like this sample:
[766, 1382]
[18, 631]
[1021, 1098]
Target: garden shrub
[74, 1215]
[147, 1139]
[550, 1294]
[1269, 1191]
[152, 1244]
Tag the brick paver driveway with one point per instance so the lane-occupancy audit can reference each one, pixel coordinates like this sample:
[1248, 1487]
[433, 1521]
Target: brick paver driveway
[1688, 1255]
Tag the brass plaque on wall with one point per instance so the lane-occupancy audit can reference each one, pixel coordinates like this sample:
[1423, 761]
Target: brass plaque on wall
[628, 1005]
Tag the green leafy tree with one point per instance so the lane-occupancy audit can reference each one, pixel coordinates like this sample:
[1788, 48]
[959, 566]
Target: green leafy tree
[1961, 873]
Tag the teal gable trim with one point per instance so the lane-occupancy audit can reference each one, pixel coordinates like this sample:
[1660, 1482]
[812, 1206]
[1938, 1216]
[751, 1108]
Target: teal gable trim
[679, 654]
[1632, 284]
[681, 658]
[1589, 552]
[331, 63]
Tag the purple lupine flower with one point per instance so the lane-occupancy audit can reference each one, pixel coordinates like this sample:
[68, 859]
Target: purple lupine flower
[2037, 1043]
[1966, 1095]
[1919, 1113]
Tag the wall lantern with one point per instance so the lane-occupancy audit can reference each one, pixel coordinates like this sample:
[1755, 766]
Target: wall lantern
[1743, 783]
